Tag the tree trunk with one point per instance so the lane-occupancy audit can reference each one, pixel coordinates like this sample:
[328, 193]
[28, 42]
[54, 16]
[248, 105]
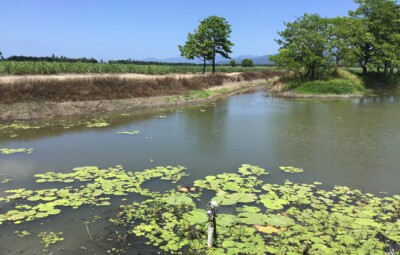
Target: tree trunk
[385, 70]
[213, 61]
[204, 65]
[307, 74]
[313, 73]
[335, 71]
[364, 68]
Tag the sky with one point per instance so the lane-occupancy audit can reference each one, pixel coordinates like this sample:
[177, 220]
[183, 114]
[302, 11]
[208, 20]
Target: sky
[140, 29]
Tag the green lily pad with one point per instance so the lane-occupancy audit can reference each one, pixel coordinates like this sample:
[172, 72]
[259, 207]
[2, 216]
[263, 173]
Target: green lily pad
[290, 169]
[9, 151]
[197, 216]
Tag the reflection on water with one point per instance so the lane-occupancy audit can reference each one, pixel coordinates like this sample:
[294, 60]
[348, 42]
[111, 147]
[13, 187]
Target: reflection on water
[354, 142]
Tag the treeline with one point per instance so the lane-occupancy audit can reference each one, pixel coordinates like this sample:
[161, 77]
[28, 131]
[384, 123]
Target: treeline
[62, 59]
[369, 37]
[138, 62]
[52, 59]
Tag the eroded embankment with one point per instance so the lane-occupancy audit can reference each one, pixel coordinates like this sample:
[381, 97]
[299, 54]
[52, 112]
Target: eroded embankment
[34, 97]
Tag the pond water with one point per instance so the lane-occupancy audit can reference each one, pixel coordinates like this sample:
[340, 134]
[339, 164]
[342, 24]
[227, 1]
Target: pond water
[355, 143]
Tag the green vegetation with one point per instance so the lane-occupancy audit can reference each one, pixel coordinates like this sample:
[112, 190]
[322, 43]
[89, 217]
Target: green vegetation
[29, 67]
[50, 238]
[290, 169]
[247, 62]
[209, 39]
[232, 63]
[255, 216]
[344, 83]
[379, 79]
[8, 151]
[314, 47]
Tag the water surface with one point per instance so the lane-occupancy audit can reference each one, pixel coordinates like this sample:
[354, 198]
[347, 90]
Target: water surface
[354, 143]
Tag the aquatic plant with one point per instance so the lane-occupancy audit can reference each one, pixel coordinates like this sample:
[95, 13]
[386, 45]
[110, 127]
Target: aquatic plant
[97, 123]
[9, 151]
[262, 218]
[128, 132]
[290, 169]
[50, 238]
[283, 219]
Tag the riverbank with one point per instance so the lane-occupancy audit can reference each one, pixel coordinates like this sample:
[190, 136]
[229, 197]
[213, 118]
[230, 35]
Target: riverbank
[114, 93]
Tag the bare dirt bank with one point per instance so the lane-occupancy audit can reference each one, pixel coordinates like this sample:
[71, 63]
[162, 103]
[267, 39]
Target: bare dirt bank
[48, 109]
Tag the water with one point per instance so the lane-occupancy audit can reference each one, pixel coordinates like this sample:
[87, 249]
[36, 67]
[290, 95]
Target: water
[354, 143]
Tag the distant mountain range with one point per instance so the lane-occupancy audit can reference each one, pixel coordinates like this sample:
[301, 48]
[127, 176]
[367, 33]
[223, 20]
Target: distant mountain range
[258, 60]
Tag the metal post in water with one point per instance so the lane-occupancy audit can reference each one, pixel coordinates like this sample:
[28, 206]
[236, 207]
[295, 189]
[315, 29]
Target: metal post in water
[212, 225]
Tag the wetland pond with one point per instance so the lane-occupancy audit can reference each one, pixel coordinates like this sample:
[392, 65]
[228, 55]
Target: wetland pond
[67, 208]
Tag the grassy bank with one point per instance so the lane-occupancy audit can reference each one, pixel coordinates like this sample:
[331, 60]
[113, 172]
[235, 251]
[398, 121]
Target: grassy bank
[380, 80]
[108, 88]
[30, 67]
[344, 83]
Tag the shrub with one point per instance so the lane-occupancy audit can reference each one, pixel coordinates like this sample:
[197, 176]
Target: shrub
[247, 62]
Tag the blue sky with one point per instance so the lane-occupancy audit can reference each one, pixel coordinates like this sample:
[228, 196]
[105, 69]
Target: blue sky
[138, 29]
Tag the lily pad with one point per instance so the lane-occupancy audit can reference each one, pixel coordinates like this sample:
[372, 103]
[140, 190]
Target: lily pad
[197, 216]
[9, 151]
[290, 169]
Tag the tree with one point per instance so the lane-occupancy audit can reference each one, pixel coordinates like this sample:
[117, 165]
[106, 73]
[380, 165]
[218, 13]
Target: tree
[346, 44]
[197, 46]
[382, 20]
[208, 40]
[232, 63]
[304, 46]
[247, 62]
[1, 55]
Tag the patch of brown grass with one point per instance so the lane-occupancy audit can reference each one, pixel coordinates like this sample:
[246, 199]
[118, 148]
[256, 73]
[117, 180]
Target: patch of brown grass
[248, 76]
[107, 88]
[101, 88]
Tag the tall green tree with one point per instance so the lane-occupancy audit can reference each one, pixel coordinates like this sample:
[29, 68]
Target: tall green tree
[1, 55]
[304, 44]
[197, 46]
[346, 37]
[210, 39]
[382, 20]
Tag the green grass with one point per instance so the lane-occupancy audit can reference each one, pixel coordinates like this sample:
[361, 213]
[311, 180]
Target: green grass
[29, 67]
[334, 86]
[344, 84]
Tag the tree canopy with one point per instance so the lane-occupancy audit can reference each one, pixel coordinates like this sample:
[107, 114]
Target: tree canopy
[303, 46]
[211, 38]
[369, 37]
